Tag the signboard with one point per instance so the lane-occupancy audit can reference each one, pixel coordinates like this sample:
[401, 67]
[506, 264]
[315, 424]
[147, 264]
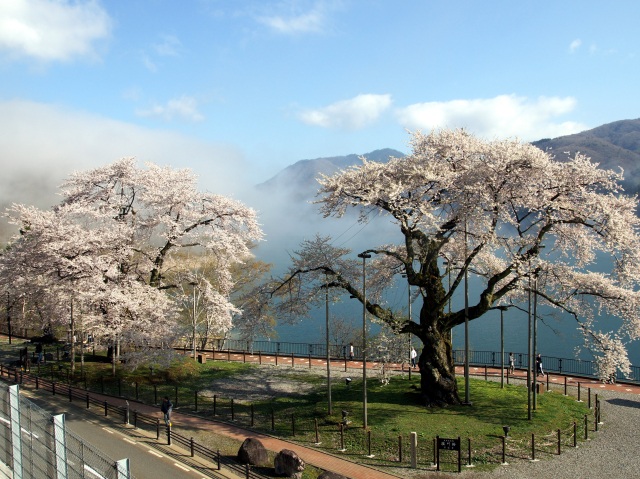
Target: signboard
[449, 444]
[445, 444]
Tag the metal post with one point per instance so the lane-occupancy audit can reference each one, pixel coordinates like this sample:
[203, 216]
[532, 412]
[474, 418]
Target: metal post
[466, 320]
[329, 408]
[364, 257]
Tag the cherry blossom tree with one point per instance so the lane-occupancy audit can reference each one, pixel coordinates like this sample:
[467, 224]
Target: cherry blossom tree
[506, 214]
[110, 242]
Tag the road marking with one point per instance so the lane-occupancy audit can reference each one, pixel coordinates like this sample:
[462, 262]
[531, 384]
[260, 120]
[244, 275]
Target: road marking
[182, 467]
[129, 440]
[157, 454]
[106, 429]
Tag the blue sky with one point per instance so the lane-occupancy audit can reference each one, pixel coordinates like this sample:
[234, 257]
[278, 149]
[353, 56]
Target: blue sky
[238, 90]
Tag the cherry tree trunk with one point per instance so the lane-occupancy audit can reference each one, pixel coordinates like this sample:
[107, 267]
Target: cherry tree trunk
[437, 371]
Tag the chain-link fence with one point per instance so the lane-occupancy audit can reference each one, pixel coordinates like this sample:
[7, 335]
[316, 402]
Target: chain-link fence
[35, 444]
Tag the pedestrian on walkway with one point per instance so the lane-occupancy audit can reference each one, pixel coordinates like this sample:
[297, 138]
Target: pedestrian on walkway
[167, 407]
[539, 365]
[351, 351]
[512, 363]
[414, 355]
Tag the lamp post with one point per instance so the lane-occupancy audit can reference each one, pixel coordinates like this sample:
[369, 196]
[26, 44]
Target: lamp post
[535, 341]
[326, 297]
[409, 318]
[466, 321]
[364, 257]
[502, 310]
[529, 354]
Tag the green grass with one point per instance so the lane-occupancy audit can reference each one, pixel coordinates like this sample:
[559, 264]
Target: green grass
[393, 411]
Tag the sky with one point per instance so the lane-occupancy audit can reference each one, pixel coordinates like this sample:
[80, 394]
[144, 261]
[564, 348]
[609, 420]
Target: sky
[238, 90]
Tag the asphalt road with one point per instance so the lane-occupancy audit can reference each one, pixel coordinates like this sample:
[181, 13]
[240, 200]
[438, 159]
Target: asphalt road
[148, 459]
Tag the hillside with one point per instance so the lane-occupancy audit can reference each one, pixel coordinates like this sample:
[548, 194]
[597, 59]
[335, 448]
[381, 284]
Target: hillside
[613, 145]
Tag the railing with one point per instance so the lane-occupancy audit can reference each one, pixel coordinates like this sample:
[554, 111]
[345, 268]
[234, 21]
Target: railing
[551, 364]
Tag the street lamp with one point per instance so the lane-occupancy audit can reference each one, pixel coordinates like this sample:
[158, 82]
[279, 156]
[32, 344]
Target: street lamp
[326, 297]
[466, 321]
[502, 310]
[364, 257]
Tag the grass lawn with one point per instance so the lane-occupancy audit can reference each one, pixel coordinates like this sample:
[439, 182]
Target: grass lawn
[393, 410]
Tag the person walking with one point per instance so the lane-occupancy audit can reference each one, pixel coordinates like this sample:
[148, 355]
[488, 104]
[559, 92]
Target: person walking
[350, 351]
[512, 363]
[414, 355]
[167, 407]
[539, 370]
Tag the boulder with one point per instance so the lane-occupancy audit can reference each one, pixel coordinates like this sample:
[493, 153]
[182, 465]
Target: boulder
[331, 475]
[252, 452]
[288, 463]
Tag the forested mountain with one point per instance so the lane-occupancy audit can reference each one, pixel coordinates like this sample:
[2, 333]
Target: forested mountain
[613, 145]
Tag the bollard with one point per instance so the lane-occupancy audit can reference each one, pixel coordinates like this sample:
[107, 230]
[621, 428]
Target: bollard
[559, 442]
[192, 447]
[579, 392]
[135, 419]
[369, 442]
[586, 427]
[575, 434]
[565, 385]
[106, 409]
[218, 459]
[342, 438]
[589, 401]
[400, 448]
[157, 429]
[292, 361]
[87, 400]
[469, 449]
[485, 372]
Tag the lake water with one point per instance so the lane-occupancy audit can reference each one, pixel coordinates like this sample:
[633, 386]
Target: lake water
[557, 335]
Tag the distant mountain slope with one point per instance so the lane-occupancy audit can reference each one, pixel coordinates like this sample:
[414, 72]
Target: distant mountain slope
[612, 145]
[301, 176]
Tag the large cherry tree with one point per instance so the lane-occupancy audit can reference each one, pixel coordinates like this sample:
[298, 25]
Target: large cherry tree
[110, 242]
[504, 213]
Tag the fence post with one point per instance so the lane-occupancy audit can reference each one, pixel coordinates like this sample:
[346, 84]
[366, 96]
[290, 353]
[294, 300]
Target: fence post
[586, 427]
[559, 452]
[575, 434]
[469, 447]
[276, 358]
[400, 448]
[342, 449]
[293, 359]
[436, 453]
[504, 451]
[191, 447]
[533, 447]
[565, 385]
[157, 429]
[485, 372]
[589, 401]
[218, 459]
[579, 392]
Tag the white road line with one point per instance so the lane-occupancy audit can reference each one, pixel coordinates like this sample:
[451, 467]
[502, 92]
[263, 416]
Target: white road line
[157, 454]
[129, 440]
[182, 467]
[110, 432]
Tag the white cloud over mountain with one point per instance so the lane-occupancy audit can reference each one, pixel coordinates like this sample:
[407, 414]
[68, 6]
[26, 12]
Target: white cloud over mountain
[352, 114]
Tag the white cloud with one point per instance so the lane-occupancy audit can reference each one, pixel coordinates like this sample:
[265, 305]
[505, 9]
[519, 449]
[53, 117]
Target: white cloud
[169, 46]
[352, 114]
[185, 108]
[51, 30]
[42, 144]
[296, 22]
[577, 43]
[502, 116]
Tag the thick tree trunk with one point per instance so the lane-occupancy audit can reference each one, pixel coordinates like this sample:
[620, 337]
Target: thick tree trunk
[437, 371]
